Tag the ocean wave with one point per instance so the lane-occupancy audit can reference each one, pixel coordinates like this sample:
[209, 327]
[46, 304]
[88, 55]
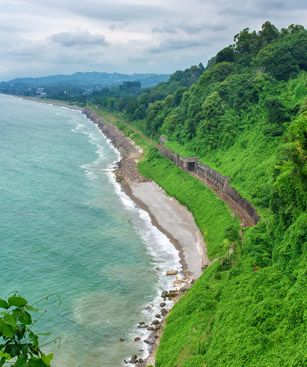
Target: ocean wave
[163, 255]
[161, 251]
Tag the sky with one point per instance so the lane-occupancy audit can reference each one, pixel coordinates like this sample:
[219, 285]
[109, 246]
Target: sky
[43, 37]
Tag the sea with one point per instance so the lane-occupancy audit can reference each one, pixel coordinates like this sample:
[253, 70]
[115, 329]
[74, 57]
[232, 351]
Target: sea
[71, 241]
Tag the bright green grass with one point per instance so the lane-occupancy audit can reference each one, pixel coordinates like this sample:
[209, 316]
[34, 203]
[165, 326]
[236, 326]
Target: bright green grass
[237, 317]
[211, 214]
[249, 163]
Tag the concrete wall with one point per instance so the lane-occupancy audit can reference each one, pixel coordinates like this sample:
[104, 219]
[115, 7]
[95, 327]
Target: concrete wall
[217, 181]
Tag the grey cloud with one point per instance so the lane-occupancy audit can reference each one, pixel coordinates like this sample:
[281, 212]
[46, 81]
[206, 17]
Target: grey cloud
[119, 10]
[127, 35]
[79, 38]
[177, 44]
[190, 28]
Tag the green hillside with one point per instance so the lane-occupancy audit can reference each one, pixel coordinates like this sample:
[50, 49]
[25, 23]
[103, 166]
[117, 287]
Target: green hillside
[245, 115]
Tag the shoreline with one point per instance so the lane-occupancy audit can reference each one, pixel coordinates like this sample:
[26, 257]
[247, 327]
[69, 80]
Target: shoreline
[141, 190]
[167, 214]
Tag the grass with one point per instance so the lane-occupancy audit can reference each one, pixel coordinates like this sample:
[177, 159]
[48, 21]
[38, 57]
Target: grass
[211, 214]
[236, 314]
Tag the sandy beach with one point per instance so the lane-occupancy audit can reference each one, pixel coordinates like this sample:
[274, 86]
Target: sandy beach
[175, 221]
[171, 218]
[166, 213]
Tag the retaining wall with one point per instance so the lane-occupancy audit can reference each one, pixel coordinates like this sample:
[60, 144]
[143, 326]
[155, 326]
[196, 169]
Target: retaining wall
[218, 182]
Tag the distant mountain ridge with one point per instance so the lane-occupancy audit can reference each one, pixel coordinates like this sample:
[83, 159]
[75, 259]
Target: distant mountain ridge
[86, 81]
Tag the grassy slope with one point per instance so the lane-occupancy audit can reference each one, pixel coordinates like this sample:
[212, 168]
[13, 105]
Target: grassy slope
[250, 160]
[211, 214]
[245, 314]
[238, 313]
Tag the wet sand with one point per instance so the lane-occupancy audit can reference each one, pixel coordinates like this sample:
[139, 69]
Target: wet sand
[177, 222]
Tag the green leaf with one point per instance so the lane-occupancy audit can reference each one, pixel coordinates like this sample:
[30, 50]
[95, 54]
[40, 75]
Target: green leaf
[34, 339]
[26, 318]
[20, 331]
[17, 312]
[9, 320]
[12, 350]
[3, 304]
[21, 362]
[47, 358]
[7, 331]
[4, 355]
[17, 301]
[36, 362]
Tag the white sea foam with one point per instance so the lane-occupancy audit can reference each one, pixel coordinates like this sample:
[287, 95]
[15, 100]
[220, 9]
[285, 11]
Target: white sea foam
[162, 252]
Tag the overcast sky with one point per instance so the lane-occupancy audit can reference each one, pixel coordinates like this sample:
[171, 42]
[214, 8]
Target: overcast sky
[41, 37]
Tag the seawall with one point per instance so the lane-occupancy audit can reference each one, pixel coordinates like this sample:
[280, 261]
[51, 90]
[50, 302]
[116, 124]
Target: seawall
[219, 183]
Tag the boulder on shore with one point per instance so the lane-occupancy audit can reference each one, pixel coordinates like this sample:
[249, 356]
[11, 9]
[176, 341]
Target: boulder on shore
[172, 272]
[164, 294]
[133, 359]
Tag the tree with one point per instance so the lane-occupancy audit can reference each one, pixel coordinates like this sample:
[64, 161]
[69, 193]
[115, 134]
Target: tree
[19, 345]
[227, 54]
[268, 33]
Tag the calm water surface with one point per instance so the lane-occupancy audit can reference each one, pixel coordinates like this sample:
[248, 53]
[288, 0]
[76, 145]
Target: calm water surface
[66, 228]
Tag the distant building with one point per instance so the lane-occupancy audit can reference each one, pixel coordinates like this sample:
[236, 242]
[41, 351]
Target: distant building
[40, 92]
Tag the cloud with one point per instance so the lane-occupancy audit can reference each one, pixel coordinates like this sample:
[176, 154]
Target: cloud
[178, 44]
[79, 38]
[64, 36]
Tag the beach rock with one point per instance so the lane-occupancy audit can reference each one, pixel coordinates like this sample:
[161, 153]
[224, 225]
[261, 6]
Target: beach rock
[164, 312]
[164, 294]
[183, 289]
[172, 272]
[155, 322]
[158, 316]
[121, 339]
[137, 339]
[141, 323]
[162, 304]
[141, 360]
[148, 308]
[150, 328]
[173, 293]
[133, 359]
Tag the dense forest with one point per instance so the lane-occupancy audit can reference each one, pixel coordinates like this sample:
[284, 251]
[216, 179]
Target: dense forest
[245, 114]
[80, 86]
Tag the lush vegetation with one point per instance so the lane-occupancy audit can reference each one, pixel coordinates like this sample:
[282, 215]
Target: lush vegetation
[79, 87]
[246, 115]
[211, 214]
[19, 345]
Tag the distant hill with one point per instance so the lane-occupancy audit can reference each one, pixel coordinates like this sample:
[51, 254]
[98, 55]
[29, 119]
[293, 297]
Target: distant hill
[78, 83]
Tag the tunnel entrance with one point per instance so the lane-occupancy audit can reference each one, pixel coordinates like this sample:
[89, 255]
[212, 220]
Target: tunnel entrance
[191, 166]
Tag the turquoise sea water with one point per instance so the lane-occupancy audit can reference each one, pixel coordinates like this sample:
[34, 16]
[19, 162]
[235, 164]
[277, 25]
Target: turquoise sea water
[66, 228]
